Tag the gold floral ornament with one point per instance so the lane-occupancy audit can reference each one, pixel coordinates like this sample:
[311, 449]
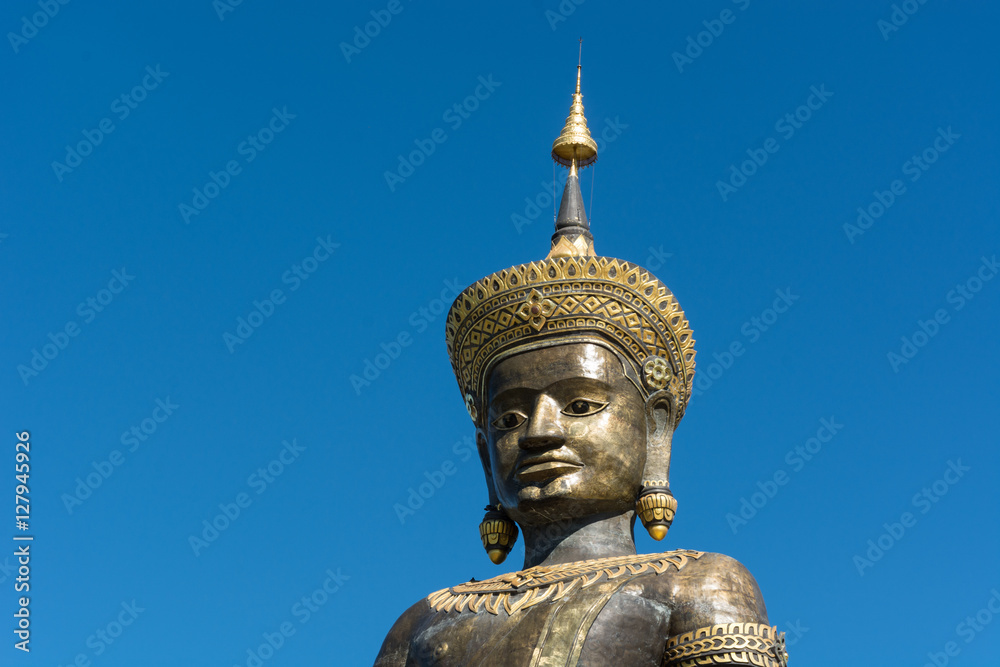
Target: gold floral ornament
[470, 405]
[549, 583]
[657, 372]
[536, 309]
[730, 644]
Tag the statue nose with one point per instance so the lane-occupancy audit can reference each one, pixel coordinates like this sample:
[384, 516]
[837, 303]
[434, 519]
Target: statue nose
[544, 430]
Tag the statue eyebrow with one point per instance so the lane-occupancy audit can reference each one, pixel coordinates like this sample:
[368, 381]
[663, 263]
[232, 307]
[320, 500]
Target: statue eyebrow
[512, 395]
[589, 383]
[525, 394]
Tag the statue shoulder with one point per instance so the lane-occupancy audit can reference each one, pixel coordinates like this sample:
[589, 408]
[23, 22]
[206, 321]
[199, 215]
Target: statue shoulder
[715, 588]
[706, 581]
[396, 645]
[718, 614]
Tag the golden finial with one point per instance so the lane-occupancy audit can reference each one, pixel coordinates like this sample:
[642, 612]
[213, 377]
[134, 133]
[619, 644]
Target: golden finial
[574, 148]
[574, 144]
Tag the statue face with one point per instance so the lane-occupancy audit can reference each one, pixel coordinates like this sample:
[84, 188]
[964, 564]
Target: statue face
[566, 434]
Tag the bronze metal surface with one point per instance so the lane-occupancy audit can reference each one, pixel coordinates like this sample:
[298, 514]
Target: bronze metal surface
[575, 371]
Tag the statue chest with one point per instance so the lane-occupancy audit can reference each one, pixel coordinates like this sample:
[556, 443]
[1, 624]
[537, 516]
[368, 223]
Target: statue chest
[610, 622]
[592, 612]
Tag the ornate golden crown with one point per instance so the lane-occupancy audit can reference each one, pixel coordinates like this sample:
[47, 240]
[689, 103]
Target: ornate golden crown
[571, 296]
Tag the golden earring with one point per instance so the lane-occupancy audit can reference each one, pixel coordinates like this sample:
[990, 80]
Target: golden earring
[656, 507]
[498, 533]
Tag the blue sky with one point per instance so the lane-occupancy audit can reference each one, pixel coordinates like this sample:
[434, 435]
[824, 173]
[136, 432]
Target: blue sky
[215, 215]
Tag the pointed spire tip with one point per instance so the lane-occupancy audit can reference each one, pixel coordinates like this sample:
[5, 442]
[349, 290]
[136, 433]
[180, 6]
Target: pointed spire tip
[574, 143]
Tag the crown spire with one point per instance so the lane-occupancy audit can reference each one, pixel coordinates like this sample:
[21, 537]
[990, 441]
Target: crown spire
[576, 149]
[574, 143]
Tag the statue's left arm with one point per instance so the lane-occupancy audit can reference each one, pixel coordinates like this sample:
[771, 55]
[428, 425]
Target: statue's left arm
[719, 617]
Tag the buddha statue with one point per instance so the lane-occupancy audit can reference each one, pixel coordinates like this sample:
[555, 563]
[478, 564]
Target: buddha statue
[576, 370]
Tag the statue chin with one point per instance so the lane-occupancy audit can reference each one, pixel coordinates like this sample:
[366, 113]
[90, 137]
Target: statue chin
[560, 501]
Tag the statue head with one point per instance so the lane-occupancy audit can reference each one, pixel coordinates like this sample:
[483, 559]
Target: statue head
[575, 370]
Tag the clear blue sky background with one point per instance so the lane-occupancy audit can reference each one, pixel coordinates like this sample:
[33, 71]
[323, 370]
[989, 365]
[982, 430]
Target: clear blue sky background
[888, 95]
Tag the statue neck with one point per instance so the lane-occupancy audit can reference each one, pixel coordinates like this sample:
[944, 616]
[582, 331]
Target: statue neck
[600, 536]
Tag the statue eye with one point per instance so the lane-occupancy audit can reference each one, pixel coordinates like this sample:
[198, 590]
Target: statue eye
[583, 408]
[508, 420]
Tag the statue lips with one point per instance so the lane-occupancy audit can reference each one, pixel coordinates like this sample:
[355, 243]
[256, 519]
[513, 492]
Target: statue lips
[541, 468]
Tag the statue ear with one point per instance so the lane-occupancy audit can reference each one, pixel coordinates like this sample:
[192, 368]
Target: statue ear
[661, 418]
[497, 531]
[661, 411]
[655, 505]
[484, 458]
